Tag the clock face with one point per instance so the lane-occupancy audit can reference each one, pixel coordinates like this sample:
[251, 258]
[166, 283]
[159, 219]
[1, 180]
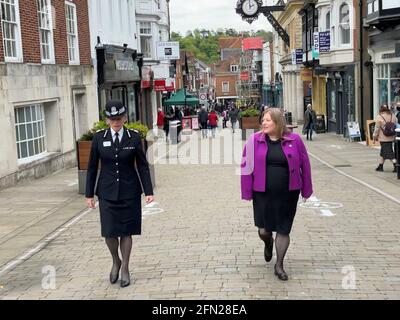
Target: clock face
[250, 7]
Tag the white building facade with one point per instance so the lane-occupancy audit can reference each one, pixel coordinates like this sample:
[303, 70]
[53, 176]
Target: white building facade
[47, 96]
[115, 54]
[152, 21]
[338, 17]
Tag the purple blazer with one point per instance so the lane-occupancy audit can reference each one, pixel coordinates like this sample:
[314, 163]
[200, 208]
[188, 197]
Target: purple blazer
[253, 166]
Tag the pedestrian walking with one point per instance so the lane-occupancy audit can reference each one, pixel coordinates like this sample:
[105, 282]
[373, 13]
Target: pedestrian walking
[275, 170]
[160, 120]
[167, 119]
[385, 125]
[203, 120]
[233, 116]
[310, 119]
[225, 118]
[119, 187]
[213, 122]
[397, 114]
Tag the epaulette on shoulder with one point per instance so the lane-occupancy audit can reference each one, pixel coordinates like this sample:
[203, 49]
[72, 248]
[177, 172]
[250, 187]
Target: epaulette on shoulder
[100, 130]
[132, 132]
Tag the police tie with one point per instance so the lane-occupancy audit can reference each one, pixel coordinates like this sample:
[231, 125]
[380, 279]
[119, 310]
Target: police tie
[116, 142]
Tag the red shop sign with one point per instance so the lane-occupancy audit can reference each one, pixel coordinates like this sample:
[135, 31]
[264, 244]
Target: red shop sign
[159, 85]
[170, 88]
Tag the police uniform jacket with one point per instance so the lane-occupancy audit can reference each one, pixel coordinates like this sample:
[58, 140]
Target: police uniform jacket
[118, 179]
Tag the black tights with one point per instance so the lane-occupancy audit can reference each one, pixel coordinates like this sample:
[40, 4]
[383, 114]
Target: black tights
[282, 242]
[125, 245]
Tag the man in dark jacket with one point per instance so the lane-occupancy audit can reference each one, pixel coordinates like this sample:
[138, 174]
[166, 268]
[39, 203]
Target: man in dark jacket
[203, 120]
[310, 119]
[233, 116]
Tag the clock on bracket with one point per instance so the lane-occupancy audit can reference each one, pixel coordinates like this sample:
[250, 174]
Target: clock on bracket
[249, 9]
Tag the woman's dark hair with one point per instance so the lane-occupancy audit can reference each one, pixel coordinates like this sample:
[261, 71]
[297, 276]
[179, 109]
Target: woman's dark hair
[384, 109]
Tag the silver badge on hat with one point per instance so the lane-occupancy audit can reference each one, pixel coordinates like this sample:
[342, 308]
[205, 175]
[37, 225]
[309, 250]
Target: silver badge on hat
[114, 111]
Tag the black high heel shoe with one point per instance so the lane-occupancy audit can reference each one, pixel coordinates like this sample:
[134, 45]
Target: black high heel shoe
[281, 275]
[269, 245]
[114, 276]
[125, 282]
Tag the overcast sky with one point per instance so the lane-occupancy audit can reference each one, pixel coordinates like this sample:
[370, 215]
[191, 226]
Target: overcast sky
[210, 14]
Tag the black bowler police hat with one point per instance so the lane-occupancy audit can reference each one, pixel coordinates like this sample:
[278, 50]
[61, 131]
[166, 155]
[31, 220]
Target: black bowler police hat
[114, 109]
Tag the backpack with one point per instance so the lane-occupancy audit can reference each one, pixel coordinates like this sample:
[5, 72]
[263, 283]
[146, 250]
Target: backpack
[389, 129]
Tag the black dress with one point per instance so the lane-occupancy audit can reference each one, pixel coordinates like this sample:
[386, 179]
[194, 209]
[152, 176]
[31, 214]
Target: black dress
[275, 209]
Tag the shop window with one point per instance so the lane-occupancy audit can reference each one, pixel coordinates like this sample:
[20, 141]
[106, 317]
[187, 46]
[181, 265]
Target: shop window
[30, 131]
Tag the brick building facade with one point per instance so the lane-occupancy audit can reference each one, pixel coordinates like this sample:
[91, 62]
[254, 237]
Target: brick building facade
[46, 86]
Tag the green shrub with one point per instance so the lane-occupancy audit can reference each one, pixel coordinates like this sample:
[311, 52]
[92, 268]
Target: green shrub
[250, 113]
[101, 125]
[143, 129]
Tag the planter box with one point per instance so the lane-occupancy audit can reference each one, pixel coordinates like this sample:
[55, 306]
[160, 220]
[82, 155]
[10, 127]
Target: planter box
[250, 123]
[83, 153]
[249, 126]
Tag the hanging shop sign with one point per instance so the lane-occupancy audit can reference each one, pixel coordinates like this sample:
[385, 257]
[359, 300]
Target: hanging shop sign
[168, 51]
[315, 48]
[297, 56]
[244, 75]
[324, 42]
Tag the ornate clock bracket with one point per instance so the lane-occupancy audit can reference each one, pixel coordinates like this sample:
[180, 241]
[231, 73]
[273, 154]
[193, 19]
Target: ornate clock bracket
[266, 10]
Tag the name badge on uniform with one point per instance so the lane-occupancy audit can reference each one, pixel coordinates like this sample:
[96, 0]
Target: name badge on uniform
[107, 144]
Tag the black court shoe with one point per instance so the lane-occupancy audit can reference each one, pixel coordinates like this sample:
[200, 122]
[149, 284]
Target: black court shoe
[114, 276]
[269, 245]
[281, 275]
[125, 282]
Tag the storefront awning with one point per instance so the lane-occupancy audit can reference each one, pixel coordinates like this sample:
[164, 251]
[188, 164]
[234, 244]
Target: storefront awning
[178, 99]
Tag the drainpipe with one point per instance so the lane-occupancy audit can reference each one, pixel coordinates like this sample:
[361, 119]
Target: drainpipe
[361, 51]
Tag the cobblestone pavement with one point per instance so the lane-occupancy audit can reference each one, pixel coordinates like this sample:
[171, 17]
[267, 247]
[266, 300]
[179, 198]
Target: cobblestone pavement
[199, 241]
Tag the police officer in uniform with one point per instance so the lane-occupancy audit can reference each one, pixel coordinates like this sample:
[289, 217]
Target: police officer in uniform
[118, 188]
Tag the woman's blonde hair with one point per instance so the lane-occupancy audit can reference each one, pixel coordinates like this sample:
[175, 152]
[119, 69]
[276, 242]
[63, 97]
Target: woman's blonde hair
[278, 118]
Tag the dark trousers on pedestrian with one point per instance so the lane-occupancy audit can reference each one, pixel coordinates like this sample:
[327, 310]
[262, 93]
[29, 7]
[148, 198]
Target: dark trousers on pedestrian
[310, 129]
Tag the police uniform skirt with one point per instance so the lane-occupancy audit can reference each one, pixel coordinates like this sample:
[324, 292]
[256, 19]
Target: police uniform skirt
[275, 211]
[387, 150]
[120, 218]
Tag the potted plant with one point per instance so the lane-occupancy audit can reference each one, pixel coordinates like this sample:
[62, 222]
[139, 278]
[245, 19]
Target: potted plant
[84, 144]
[250, 120]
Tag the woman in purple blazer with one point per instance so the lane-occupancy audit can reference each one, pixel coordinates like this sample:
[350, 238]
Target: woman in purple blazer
[275, 169]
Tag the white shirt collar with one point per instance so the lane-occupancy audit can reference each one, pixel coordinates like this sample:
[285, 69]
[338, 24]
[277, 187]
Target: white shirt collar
[120, 133]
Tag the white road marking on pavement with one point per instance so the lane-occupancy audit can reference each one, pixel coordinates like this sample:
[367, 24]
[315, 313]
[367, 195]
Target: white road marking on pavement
[356, 180]
[327, 213]
[313, 199]
[29, 253]
[321, 205]
[336, 147]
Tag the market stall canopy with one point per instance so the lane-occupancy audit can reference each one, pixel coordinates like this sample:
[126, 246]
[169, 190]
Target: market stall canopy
[178, 99]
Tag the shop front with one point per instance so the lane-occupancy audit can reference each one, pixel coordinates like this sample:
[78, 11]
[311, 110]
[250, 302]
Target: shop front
[340, 92]
[386, 80]
[118, 78]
